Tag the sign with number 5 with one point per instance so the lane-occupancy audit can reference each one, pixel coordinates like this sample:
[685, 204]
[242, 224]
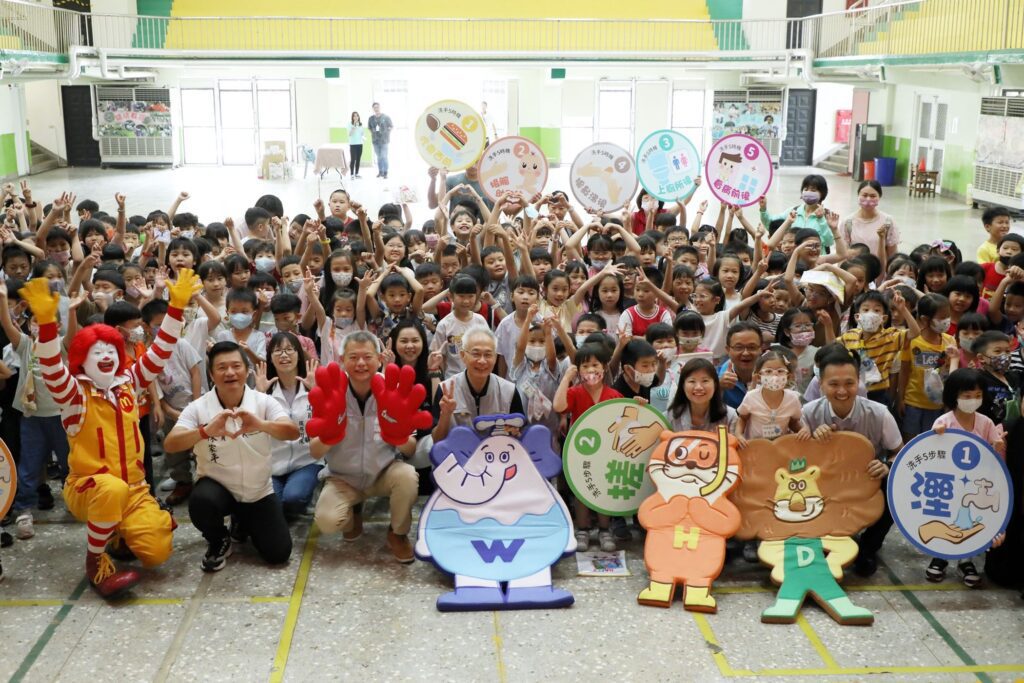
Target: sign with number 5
[738, 170]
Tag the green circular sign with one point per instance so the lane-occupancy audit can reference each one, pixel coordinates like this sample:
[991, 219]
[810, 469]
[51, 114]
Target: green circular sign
[606, 454]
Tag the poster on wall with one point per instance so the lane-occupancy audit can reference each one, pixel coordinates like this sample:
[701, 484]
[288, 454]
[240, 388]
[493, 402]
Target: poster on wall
[133, 119]
[757, 119]
[738, 170]
[844, 119]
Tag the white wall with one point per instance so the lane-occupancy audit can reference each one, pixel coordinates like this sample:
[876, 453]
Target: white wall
[12, 121]
[113, 32]
[831, 97]
[45, 115]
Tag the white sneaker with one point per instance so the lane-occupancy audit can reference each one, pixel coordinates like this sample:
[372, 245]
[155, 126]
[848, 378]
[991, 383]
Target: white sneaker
[24, 526]
[582, 540]
[607, 541]
[167, 484]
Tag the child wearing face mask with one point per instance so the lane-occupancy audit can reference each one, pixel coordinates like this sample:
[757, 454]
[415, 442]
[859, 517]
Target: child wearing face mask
[963, 396]
[877, 343]
[972, 325]
[917, 403]
[1001, 383]
[639, 362]
[536, 370]
[591, 364]
[771, 409]
[241, 307]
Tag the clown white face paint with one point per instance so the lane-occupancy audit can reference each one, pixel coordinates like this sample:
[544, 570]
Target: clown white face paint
[101, 364]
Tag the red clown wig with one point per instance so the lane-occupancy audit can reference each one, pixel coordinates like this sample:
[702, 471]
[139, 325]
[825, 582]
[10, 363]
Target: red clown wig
[86, 337]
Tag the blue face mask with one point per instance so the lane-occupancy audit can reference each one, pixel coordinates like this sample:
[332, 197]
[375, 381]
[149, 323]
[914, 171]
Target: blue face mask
[240, 321]
[265, 264]
[295, 286]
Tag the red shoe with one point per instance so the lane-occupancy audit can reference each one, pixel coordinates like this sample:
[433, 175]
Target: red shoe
[105, 577]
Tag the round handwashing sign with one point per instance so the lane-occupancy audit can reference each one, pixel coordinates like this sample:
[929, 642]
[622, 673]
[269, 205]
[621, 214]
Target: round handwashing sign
[667, 163]
[450, 135]
[603, 177]
[738, 170]
[950, 494]
[606, 454]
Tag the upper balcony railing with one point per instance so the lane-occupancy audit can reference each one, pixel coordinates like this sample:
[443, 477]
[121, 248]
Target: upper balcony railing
[891, 28]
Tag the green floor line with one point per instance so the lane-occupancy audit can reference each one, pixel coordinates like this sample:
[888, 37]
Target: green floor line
[48, 632]
[936, 626]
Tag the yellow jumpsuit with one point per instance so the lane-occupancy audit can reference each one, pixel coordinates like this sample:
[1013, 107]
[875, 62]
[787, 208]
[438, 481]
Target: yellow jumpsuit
[107, 483]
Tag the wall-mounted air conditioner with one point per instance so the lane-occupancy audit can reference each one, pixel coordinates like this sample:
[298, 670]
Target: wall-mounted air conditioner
[134, 125]
[999, 153]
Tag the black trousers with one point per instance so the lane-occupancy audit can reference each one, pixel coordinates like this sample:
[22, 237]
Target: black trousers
[355, 156]
[871, 539]
[263, 520]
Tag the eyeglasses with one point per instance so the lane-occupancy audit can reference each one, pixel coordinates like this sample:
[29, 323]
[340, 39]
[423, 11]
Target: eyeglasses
[284, 351]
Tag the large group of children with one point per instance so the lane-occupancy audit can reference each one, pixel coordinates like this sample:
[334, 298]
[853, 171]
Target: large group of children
[655, 302]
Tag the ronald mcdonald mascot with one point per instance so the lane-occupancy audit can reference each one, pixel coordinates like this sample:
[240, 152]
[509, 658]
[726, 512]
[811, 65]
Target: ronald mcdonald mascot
[106, 487]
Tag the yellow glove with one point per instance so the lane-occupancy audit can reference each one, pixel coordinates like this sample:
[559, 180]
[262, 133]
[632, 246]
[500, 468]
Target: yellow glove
[186, 286]
[41, 300]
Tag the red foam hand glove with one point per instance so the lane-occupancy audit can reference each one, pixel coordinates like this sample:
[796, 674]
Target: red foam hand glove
[398, 404]
[329, 420]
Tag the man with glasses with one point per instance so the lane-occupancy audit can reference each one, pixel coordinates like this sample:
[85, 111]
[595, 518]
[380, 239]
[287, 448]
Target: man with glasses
[362, 465]
[743, 344]
[477, 390]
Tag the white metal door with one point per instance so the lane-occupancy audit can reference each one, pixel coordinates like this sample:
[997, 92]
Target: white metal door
[615, 113]
[199, 125]
[932, 120]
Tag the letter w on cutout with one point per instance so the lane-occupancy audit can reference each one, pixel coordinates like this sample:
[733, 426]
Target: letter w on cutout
[689, 537]
[498, 549]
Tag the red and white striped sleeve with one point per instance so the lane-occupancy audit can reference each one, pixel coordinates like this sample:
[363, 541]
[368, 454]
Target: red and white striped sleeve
[59, 381]
[152, 363]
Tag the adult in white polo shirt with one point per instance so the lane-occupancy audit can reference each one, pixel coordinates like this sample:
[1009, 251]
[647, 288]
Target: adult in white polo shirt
[362, 465]
[230, 429]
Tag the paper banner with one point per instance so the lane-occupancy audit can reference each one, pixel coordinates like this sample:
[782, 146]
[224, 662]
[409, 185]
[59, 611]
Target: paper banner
[513, 163]
[603, 177]
[950, 494]
[450, 134]
[666, 163]
[738, 170]
[606, 454]
[8, 479]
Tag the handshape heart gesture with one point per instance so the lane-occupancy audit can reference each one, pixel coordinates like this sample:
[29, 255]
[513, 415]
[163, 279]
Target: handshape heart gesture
[232, 423]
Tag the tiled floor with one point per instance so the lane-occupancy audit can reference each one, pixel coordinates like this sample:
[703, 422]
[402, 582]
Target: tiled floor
[344, 611]
[229, 191]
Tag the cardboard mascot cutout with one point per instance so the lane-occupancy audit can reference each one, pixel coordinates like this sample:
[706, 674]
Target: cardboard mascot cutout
[805, 500]
[97, 393]
[495, 522]
[689, 517]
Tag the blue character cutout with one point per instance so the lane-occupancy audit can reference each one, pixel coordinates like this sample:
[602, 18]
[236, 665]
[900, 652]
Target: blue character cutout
[495, 522]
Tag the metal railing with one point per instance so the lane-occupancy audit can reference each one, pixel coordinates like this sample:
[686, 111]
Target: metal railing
[896, 27]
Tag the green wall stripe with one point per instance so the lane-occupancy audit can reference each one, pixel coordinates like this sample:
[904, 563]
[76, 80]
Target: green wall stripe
[340, 135]
[548, 139]
[151, 33]
[902, 155]
[728, 37]
[8, 155]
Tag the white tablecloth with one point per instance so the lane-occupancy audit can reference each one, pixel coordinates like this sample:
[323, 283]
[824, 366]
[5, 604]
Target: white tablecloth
[331, 156]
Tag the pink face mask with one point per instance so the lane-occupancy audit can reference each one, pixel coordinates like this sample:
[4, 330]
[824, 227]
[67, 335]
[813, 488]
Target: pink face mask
[868, 202]
[591, 378]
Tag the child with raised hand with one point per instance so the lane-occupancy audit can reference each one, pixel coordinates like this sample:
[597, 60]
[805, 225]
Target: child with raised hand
[709, 302]
[971, 326]
[728, 270]
[401, 296]
[590, 365]
[926, 358]
[525, 294]
[772, 409]
[648, 309]
[1007, 306]
[557, 300]
[963, 396]
[1001, 383]
[536, 370]
[607, 297]
[879, 343]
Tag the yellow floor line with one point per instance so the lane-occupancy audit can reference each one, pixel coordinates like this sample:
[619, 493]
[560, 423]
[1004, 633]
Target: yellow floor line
[56, 602]
[712, 642]
[284, 643]
[499, 650]
[816, 642]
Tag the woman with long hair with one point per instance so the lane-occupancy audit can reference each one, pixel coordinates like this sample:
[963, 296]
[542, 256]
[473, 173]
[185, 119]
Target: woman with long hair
[355, 143]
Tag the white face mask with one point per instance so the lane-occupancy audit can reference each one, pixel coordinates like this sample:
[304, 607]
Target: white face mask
[581, 339]
[644, 379]
[968, 405]
[137, 334]
[966, 343]
[942, 325]
[869, 321]
[342, 279]
[535, 353]
[774, 382]
[688, 344]
[104, 355]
